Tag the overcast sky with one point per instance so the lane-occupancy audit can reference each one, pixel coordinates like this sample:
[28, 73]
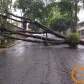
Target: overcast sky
[80, 14]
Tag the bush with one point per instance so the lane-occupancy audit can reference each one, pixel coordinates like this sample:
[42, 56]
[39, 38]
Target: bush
[73, 39]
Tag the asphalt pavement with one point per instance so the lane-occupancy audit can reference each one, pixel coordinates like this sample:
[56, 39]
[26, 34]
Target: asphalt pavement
[27, 63]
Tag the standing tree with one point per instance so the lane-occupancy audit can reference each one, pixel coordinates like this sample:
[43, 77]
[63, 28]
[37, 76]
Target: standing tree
[48, 12]
[68, 12]
[4, 7]
[34, 9]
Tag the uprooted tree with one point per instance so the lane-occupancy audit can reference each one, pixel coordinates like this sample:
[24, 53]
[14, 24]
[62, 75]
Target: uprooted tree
[4, 7]
[73, 39]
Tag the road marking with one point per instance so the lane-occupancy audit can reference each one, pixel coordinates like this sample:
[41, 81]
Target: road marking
[77, 74]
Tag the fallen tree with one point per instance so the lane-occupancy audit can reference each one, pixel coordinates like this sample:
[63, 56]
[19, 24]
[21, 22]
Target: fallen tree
[81, 42]
[34, 41]
[31, 32]
[28, 35]
[42, 39]
[20, 29]
[48, 30]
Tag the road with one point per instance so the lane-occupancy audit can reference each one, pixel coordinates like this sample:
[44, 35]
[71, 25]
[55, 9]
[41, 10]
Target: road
[27, 63]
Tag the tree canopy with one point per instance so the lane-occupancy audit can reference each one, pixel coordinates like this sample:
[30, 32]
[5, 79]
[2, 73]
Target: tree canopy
[5, 5]
[48, 12]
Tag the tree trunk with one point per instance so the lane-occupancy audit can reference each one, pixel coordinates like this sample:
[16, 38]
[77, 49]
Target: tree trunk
[58, 42]
[28, 35]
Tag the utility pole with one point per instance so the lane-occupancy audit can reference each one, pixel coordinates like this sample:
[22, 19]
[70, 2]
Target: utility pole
[83, 3]
[75, 14]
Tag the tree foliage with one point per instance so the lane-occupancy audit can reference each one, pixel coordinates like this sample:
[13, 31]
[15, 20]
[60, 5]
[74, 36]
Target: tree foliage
[49, 12]
[64, 20]
[4, 5]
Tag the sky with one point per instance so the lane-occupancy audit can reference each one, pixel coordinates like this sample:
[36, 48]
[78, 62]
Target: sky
[80, 14]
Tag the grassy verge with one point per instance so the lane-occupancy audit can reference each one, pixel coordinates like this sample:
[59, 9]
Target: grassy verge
[7, 44]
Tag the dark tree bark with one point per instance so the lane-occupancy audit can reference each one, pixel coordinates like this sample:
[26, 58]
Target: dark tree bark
[48, 30]
[24, 23]
[35, 41]
[2, 32]
[28, 35]
[81, 42]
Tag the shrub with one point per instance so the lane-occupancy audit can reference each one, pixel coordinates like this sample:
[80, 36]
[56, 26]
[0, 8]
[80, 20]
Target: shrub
[73, 39]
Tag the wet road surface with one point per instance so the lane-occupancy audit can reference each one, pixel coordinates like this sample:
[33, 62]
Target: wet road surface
[27, 63]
